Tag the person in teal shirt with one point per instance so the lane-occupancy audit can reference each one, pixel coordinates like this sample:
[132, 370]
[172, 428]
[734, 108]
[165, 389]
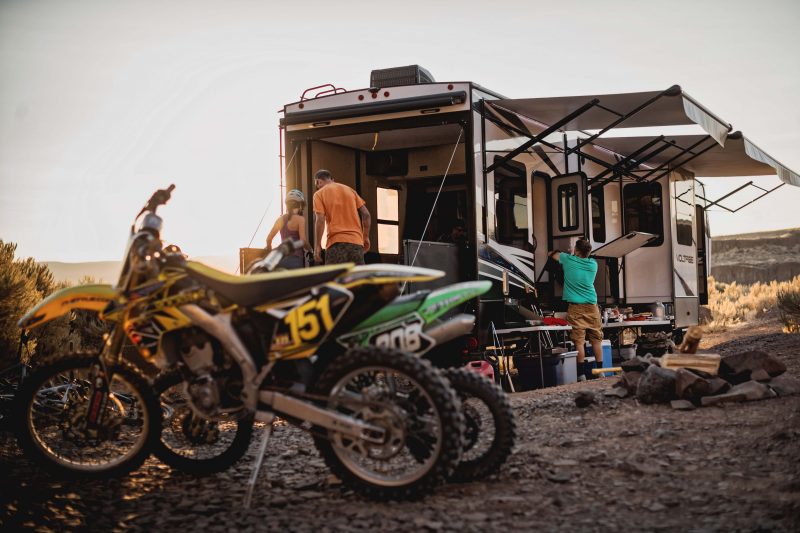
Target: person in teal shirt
[582, 314]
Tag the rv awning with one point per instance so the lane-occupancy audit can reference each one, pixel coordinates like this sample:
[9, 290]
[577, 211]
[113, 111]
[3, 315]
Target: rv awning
[671, 107]
[738, 157]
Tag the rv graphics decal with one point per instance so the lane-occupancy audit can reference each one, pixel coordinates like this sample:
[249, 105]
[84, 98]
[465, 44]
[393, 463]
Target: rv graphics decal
[522, 262]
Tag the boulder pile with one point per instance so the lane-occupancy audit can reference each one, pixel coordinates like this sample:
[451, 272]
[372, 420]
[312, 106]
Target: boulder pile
[746, 376]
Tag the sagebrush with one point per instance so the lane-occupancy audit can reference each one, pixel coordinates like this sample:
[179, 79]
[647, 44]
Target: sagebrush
[731, 303]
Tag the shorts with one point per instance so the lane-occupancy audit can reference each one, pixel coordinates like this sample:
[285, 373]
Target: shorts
[344, 252]
[585, 322]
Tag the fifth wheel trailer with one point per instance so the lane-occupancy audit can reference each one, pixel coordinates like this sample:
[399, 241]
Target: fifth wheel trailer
[528, 175]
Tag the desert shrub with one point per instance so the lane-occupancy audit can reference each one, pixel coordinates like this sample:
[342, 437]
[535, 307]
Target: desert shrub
[24, 283]
[789, 305]
[731, 303]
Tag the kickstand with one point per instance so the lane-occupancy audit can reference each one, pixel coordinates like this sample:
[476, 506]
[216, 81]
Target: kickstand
[262, 450]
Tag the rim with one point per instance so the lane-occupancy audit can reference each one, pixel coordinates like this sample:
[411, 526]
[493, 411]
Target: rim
[403, 408]
[190, 436]
[56, 411]
[479, 428]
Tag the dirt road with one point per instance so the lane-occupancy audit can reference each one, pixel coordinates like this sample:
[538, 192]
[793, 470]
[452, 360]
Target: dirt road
[613, 466]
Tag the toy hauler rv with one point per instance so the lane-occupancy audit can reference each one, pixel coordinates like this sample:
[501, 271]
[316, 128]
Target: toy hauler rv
[527, 175]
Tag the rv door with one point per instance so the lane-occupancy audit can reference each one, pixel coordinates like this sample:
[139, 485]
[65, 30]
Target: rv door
[568, 202]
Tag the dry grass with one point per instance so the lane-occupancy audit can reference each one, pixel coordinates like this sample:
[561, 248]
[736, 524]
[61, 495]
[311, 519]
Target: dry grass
[731, 303]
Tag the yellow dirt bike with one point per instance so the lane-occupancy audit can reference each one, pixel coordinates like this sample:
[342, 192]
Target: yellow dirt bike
[387, 423]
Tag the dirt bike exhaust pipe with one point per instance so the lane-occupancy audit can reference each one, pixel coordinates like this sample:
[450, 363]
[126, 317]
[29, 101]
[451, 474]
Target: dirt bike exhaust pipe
[455, 327]
[303, 410]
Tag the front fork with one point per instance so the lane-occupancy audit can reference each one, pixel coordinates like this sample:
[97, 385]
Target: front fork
[100, 377]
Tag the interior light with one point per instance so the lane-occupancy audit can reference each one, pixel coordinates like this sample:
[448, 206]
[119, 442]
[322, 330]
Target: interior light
[430, 111]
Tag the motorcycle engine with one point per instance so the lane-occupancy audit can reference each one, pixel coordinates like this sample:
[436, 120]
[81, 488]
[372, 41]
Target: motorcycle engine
[214, 385]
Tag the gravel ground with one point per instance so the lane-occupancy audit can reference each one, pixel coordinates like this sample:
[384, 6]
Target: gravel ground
[615, 465]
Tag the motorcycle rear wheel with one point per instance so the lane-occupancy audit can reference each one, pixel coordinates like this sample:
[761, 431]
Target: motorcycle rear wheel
[51, 407]
[416, 406]
[490, 425]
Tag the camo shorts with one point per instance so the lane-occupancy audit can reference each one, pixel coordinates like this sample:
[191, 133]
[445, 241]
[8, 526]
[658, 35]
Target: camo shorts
[585, 322]
[344, 252]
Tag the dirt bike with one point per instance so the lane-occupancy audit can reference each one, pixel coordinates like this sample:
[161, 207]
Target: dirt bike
[412, 323]
[388, 424]
[93, 414]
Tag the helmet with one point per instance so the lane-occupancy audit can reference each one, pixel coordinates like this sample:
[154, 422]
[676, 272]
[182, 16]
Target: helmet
[295, 196]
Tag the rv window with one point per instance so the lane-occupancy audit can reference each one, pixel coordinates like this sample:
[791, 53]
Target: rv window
[684, 209]
[511, 209]
[567, 207]
[643, 210]
[598, 215]
[388, 221]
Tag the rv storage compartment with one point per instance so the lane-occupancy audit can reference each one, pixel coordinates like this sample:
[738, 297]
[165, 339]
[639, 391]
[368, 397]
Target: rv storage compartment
[530, 374]
[393, 77]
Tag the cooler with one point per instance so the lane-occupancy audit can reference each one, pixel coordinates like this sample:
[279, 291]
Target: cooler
[567, 368]
[606, 359]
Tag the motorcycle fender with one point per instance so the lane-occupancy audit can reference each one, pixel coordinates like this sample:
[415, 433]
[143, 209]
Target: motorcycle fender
[87, 297]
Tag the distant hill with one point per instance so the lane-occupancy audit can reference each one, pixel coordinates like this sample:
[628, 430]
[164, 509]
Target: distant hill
[751, 257]
[108, 271]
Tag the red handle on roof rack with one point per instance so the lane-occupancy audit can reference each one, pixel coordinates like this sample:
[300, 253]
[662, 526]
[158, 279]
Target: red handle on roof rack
[333, 89]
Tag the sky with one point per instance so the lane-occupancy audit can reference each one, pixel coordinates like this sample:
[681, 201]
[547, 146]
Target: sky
[102, 102]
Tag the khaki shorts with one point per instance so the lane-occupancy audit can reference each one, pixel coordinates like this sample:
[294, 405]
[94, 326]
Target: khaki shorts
[585, 322]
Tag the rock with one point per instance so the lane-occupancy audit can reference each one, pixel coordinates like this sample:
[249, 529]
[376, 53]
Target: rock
[618, 392]
[718, 386]
[682, 405]
[630, 381]
[785, 385]
[760, 375]
[738, 368]
[584, 398]
[722, 398]
[753, 390]
[657, 385]
[690, 386]
[635, 364]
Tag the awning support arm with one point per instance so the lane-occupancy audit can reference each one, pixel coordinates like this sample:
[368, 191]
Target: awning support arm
[666, 145]
[748, 184]
[669, 168]
[559, 149]
[625, 161]
[533, 140]
[672, 91]
[680, 154]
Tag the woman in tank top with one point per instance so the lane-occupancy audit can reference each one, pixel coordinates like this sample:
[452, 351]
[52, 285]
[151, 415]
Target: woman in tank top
[292, 225]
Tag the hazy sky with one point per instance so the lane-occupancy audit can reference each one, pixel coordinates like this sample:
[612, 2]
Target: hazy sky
[101, 102]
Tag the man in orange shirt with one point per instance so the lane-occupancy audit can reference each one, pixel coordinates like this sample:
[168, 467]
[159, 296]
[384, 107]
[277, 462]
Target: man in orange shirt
[347, 218]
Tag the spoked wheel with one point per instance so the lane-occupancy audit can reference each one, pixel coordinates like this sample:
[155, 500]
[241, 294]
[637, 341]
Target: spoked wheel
[53, 429]
[418, 413]
[193, 444]
[489, 421]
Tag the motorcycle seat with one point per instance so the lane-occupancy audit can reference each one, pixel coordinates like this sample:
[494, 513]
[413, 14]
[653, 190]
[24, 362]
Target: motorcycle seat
[257, 289]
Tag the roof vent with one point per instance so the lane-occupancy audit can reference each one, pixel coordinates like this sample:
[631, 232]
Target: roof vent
[392, 77]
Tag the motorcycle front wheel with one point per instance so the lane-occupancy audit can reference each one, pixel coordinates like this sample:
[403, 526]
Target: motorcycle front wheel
[52, 429]
[192, 444]
[412, 403]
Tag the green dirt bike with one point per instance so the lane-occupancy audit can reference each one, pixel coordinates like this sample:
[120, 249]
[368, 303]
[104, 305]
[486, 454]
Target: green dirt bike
[415, 324]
